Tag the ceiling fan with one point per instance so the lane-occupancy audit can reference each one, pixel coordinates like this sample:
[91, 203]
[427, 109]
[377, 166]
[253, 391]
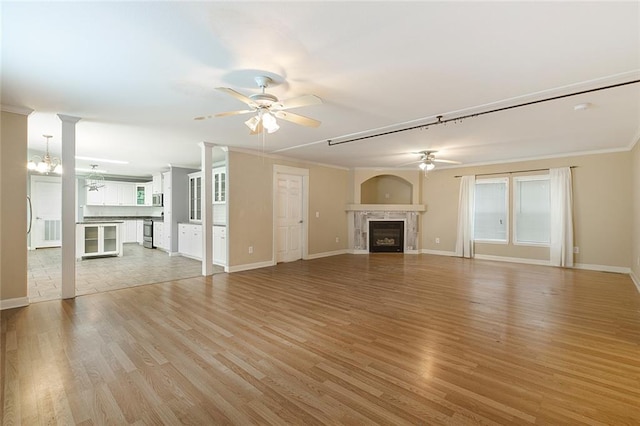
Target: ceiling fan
[267, 108]
[428, 159]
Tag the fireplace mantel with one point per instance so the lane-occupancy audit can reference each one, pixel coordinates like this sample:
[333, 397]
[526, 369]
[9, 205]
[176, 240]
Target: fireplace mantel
[386, 207]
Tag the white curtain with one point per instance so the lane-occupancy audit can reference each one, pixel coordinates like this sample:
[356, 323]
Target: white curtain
[561, 252]
[464, 241]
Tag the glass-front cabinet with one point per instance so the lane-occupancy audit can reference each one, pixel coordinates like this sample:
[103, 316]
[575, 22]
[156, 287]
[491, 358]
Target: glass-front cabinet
[98, 240]
[195, 197]
[219, 185]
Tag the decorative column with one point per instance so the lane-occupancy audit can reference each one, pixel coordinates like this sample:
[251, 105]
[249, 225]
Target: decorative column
[206, 158]
[68, 158]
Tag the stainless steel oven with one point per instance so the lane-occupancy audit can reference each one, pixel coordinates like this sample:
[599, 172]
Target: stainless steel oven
[147, 234]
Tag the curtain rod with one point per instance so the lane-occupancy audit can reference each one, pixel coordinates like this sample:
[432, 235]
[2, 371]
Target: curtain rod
[477, 114]
[514, 171]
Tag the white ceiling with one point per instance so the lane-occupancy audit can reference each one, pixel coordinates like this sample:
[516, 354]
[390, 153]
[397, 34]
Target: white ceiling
[138, 73]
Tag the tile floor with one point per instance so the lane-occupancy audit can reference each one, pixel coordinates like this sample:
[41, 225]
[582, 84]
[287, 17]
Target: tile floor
[138, 266]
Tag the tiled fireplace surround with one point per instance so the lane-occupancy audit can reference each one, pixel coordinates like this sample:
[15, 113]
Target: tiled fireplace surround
[359, 216]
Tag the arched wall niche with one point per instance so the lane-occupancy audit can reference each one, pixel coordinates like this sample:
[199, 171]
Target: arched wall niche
[411, 177]
[386, 189]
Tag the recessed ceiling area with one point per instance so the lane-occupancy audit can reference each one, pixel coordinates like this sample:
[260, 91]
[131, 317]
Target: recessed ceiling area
[137, 73]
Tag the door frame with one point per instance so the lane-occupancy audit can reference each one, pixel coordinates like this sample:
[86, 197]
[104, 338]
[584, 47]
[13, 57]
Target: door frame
[296, 171]
[32, 183]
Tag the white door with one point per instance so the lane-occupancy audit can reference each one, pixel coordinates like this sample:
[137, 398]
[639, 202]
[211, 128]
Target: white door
[46, 199]
[289, 217]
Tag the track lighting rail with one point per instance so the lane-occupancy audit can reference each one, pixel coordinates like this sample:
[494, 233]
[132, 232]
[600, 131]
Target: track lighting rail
[439, 118]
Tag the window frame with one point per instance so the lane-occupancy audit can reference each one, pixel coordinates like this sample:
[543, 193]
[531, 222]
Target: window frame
[507, 202]
[528, 178]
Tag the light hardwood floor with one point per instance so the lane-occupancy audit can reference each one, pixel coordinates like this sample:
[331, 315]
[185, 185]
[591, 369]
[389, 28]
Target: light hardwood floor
[386, 339]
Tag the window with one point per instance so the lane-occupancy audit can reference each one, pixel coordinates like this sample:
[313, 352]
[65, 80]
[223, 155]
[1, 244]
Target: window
[531, 210]
[491, 215]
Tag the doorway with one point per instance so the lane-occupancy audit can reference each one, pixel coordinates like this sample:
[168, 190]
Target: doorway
[46, 213]
[290, 213]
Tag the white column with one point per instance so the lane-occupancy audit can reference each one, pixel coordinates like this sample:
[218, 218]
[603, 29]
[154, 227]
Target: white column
[206, 156]
[68, 205]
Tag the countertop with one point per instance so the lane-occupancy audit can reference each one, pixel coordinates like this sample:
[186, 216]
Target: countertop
[195, 223]
[93, 222]
[94, 219]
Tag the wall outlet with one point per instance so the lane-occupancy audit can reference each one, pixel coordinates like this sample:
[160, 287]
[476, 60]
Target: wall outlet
[337, 239]
[387, 195]
[250, 249]
[437, 240]
[317, 214]
[576, 249]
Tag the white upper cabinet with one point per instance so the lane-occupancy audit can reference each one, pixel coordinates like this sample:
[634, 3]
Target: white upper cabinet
[195, 196]
[114, 194]
[157, 183]
[219, 185]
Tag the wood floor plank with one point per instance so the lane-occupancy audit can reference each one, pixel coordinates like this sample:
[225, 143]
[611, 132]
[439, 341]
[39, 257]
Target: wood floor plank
[378, 339]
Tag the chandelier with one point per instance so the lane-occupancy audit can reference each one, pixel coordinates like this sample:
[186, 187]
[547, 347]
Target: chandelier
[45, 164]
[95, 180]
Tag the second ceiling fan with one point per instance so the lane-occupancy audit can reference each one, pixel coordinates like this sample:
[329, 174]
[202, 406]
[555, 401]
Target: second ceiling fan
[268, 107]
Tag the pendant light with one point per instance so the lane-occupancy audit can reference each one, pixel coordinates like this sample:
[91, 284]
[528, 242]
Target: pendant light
[45, 164]
[95, 180]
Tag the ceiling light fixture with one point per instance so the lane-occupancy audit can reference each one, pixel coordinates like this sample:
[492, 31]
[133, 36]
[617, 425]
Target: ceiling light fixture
[95, 180]
[102, 160]
[263, 120]
[427, 165]
[45, 164]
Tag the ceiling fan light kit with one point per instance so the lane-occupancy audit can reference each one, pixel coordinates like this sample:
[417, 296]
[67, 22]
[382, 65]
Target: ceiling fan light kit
[267, 108]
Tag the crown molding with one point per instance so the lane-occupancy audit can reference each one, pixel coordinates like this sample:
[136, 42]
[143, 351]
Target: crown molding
[16, 109]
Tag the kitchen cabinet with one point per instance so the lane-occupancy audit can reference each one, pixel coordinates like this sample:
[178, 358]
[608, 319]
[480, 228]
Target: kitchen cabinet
[195, 196]
[144, 197]
[113, 194]
[219, 185]
[220, 245]
[139, 231]
[95, 198]
[158, 235]
[190, 240]
[129, 231]
[98, 240]
[156, 184]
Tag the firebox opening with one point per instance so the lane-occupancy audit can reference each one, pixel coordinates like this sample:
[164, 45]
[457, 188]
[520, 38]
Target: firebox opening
[386, 236]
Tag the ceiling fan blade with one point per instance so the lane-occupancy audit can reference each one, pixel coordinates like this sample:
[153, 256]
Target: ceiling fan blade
[225, 114]
[437, 160]
[297, 118]
[203, 117]
[300, 101]
[239, 96]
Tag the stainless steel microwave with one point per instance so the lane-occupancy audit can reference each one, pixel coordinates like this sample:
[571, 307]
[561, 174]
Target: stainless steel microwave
[157, 200]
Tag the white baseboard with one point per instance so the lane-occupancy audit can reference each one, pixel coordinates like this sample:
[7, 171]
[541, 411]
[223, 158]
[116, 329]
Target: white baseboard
[17, 302]
[249, 266]
[602, 268]
[635, 280]
[326, 254]
[439, 252]
[512, 259]
[357, 251]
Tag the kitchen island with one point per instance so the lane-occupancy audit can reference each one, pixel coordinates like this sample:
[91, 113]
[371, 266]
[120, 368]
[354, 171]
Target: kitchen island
[97, 238]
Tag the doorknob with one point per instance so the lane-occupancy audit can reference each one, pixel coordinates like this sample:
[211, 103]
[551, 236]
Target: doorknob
[38, 218]
[300, 222]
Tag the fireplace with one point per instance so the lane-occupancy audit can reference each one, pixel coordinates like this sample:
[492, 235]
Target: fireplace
[386, 236]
